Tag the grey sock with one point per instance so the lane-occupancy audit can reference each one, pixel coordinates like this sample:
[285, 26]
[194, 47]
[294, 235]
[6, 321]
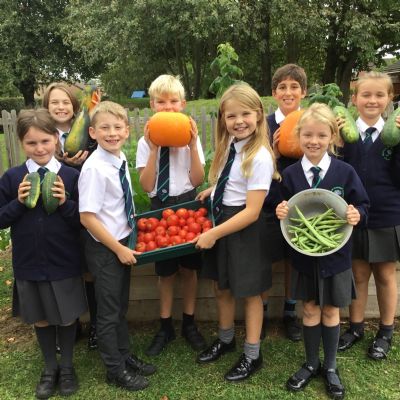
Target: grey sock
[330, 339]
[226, 335]
[252, 350]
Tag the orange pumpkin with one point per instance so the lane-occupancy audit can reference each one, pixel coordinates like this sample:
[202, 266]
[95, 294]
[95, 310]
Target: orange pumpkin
[171, 129]
[289, 145]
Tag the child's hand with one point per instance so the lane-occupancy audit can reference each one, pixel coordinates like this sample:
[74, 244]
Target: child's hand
[23, 190]
[204, 194]
[58, 190]
[78, 159]
[282, 210]
[153, 147]
[340, 122]
[352, 215]
[126, 255]
[397, 120]
[205, 241]
[275, 142]
[194, 133]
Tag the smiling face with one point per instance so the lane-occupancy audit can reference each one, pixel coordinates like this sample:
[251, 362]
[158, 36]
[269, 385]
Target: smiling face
[371, 99]
[241, 121]
[61, 109]
[288, 94]
[315, 138]
[167, 102]
[39, 145]
[110, 132]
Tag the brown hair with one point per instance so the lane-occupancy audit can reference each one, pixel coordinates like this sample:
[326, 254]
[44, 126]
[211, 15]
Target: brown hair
[291, 71]
[65, 88]
[39, 118]
[375, 75]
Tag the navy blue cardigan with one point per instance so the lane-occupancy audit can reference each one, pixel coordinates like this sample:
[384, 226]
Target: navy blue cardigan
[45, 247]
[342, 179]
[379, 171]
[274, 196]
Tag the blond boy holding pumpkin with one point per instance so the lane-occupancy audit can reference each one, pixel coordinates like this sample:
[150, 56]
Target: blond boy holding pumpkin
[178, 170]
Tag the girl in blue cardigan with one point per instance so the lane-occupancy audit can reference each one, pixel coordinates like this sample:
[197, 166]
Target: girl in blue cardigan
[324, 284]
[377, 245]
[48, 289]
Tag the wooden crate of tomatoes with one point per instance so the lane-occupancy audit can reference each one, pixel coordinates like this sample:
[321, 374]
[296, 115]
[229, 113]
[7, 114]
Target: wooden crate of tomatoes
[167, 232]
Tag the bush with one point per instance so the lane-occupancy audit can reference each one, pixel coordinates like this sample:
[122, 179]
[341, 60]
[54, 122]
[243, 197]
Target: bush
[133, 103]
[11, 103]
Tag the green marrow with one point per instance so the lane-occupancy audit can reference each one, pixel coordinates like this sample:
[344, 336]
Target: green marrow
[390, 134]
[34, 191]
[349, 131]
[78, 137]
[50, 203]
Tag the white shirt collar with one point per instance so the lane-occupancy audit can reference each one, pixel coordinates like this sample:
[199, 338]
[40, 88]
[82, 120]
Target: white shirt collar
[111, 158]
[240, 144]
[363, 126]
[53, 165]
[279, 116]
[323, 164]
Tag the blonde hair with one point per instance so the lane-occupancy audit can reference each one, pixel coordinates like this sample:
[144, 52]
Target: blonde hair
[166, 84]
[321, 113]
[66, 89]
[375, 75]
[248, 97]
[111, 108]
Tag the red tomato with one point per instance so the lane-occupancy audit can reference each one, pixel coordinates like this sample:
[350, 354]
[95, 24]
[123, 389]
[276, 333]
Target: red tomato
[190, 220]
[203, 211]
[141, 224]
[182, 222]
[150, 246]
[140, 246]
[173, 220]
[160, 230]
[185, 228]
[162, 241]
[150, 225]
[148, 237]
[207, 224]
[163, 222]
[197, 214]
[140, 236]
[191, 213]
[201, 220]
[182, 213]
[182, 233]
[167, 212]
[194, 227]
[172, 230]
[190, 236]
[174, 240]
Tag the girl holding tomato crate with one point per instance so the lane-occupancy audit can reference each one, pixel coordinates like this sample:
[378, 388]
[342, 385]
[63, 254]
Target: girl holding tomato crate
[170, 175]
[241, 174]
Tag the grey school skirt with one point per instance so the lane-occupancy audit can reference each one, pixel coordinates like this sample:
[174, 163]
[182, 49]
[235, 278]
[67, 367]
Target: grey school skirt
[377, 245]
[239, 262]
[57, 302]
[336, 290]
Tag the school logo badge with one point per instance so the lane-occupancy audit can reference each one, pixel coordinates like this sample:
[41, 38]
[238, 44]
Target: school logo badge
[338, 190]
[387, 153]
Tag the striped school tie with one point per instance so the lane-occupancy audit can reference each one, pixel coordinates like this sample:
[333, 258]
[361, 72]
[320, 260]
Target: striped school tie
[367, 142]
[163, 174]
[220, 188]
[42, 172]
[316, 178]
[129, 206]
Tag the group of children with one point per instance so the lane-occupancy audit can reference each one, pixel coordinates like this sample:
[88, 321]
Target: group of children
[248, 199]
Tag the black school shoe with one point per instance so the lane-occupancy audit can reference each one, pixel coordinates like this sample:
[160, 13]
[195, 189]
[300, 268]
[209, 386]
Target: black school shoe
[47, 384]
[333, 389]
[138, 366]
[295, 383]
[215, 351]
[348, 339]
[68, 381]
[292, 328]
[244, 368]
[380, 347]
[159, 342]
[128, 380]
[193, 337]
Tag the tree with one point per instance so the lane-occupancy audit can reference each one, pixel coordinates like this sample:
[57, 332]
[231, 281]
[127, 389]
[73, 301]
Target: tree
[32, 46]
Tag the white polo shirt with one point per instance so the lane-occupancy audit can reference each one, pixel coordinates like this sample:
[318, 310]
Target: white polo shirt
[179, 166]
[238, 185]
[323, 164]
[100, 191]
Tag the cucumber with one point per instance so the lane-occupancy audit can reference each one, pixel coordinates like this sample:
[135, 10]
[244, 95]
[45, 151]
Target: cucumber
[390, 134]
[50, 203]
[34, 191]
[349, 131]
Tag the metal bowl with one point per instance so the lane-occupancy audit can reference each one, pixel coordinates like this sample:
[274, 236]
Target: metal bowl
[312, 202]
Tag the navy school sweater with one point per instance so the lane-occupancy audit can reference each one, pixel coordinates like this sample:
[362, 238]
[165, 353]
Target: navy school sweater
[379, 171]
[45, 247]
[274, 196]
[343, 180]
